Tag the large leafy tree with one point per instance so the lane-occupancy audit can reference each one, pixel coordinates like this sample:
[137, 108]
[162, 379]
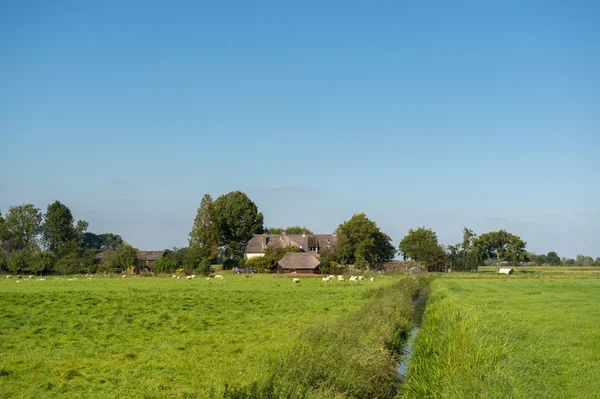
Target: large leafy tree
[239, 220]
[553, 259]
[362, 243]
[127, 256]
[102, 242]
[58, 227]
[21, 227]
[422, 245]
[205, 236]
[502, 246]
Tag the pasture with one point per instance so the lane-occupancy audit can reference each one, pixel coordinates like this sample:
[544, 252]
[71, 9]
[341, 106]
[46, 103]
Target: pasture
[532, 335]
[160, 337]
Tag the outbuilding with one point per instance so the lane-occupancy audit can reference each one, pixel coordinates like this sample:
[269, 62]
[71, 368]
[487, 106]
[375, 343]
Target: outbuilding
[299, 263]
[506, 270]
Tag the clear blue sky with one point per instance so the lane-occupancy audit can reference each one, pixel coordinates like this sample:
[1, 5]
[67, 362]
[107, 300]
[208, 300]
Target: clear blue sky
[443, 114]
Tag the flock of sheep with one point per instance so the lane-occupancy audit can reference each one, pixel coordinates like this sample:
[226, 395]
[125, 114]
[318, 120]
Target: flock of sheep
[330, 278]
[327, 279]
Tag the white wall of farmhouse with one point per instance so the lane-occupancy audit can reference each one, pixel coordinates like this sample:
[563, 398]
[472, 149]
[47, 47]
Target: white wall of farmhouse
[248, 256]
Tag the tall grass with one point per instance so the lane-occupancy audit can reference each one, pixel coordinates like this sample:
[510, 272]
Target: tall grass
[508, 338]
[354, 356]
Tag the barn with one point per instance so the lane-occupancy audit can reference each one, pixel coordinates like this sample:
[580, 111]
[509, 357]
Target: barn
[299, 263]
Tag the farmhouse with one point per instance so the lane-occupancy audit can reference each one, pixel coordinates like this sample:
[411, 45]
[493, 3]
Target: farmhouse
[314, 244]
[299, 263]
[148, 258]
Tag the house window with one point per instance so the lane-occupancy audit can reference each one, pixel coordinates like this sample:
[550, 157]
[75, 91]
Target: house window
[312, 249]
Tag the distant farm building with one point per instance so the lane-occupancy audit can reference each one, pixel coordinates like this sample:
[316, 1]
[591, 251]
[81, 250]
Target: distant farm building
[147, 258]
[298, 263]
[313, 244]
[506, 271]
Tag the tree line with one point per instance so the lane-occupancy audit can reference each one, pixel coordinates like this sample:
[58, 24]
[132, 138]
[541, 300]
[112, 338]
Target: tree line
[35, 242]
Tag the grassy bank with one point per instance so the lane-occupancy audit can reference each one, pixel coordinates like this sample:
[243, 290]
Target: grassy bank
[508, 338]
[157, 338]
[354, 356]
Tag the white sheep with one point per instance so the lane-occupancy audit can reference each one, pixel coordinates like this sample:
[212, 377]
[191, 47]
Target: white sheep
[340, 278]
[31, 276]
[174, 276]
[219, 276]
[331, 277]
[8, 276]
[193, 276]
[296, 280]
[372, 279]
[361, 278]
[208, 278]
[178, 278]
[353, 279]
[189, 277]
[124, 275]
[326, 280]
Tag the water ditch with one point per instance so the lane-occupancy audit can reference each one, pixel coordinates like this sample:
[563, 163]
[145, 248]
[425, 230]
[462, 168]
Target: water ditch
[419, 304]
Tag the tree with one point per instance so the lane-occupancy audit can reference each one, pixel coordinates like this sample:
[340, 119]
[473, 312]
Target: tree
[422, 245]
[42, 262]
[127, 257]
[80, 230]
[205, 236]
[553, 259]
[290, 230]
[502, 246]
[20, 261]
[58, 226]
[582, 260]
[102, 242]
[22, 226]
[596, 262]
[541, 260]
[567, 261]
[361, 242]
[239, 220]
[466, 255]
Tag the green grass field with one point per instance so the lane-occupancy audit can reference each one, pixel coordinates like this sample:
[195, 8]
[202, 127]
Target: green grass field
[158, 337]
[531, 335]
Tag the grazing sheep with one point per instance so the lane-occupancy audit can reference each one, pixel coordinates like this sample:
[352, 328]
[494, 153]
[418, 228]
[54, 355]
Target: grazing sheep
[326, 280]
[42, 279]
[296, 280]
[31, 276]
[19, 276]
[208, 278]
[189, 277]
[89, 278]
[372, 278]
[174, 276]
[178, 278]
[353, 279]
[124, 275]
[340, 278]
[8, 276]
[193, 276]
[361, 278]
[219, 277]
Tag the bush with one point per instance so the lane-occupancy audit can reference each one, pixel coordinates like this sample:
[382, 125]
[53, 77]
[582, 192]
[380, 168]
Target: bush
[230, 263]
[261, 264]
[204, 266]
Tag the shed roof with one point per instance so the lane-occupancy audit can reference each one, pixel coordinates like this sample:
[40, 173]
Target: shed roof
[150, 255]
[298, 260]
